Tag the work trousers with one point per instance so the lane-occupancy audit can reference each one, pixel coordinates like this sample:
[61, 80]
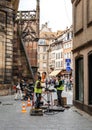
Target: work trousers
[38, 99]
[59, 97]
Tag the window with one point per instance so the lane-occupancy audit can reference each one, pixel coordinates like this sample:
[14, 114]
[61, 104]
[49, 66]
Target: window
[79, 79]
[71, 35]
[58, 64]
[65, 55]
[67, 36]
[61, 63]
[58, 55]
[44, 65]
[44, 49]
[61, 55]
[41, 42]
[53, 55]
[44, 57]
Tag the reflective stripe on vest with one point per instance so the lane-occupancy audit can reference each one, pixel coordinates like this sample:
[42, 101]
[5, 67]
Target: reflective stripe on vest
[37, 90]
[61, 87]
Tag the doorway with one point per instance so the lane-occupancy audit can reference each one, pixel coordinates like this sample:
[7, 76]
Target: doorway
[79, 79]
[90, 78]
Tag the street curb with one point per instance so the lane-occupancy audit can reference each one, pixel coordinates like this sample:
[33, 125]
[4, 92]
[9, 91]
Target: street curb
[82, 113]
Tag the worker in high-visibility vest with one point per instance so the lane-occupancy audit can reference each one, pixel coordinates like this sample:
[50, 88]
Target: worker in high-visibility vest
[38, 92]
[60, 88]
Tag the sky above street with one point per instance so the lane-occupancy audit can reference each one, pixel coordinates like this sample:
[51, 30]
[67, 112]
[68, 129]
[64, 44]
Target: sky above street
[57, 13]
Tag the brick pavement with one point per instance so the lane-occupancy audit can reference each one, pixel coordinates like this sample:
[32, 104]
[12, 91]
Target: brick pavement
[11, 118]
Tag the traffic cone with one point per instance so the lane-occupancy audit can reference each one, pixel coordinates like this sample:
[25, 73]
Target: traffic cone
[23, 107]
[29, 103]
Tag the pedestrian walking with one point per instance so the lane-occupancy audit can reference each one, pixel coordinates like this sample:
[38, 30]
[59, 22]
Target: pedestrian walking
[18, 94]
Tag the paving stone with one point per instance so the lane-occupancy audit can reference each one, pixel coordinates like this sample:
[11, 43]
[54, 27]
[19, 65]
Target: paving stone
[11, 118]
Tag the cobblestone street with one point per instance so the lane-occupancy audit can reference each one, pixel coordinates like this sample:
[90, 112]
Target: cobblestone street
[11, 118]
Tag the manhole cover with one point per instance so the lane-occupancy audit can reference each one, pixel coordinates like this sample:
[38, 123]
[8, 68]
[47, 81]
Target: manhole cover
[7, 104]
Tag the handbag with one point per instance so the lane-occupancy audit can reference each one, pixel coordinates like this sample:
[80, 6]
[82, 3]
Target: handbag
[14, 87]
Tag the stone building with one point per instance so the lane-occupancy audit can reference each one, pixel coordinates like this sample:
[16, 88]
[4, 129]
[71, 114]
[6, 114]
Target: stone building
[67, 48]
[26, 37]
[46, 36]
[82, 52]
[56, 55]
[19, 34]
[61, 50]
[8, 9]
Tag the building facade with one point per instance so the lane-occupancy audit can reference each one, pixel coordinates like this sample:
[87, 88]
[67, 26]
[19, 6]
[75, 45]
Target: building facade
[19, 34]
[8, 9]
[25, 44]
[82, 52]
[67, 48]
[46, 36]
[61, 51]
[56, 54]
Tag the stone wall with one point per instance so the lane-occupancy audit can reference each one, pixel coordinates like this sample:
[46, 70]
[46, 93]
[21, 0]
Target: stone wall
[6, 45]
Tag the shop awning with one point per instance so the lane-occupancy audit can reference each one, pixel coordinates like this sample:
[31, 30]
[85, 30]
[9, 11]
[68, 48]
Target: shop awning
[55, 73]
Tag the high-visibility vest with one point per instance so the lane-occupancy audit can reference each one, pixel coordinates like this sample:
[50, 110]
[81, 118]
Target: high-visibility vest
[61, 87]
[37, 90]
